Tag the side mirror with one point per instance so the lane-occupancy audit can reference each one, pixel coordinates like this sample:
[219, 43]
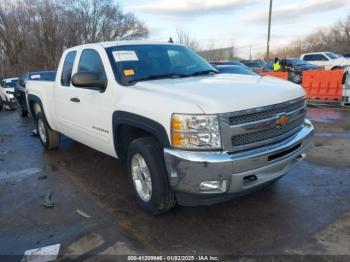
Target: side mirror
[89, 80]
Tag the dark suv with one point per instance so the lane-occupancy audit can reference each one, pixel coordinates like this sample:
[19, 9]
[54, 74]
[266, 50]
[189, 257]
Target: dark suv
[294, 67]
[21, 85]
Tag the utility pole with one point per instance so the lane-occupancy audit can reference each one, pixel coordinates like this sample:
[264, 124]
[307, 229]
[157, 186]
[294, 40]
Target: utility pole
[250, 52]
[269, 32]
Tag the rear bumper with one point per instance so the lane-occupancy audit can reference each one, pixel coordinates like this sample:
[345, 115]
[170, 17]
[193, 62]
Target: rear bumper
[240, 172]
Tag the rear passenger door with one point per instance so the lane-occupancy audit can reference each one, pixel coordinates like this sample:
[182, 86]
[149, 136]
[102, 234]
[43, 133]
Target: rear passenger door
[64, 92]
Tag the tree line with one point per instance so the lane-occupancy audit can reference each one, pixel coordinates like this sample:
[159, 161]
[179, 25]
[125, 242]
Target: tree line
[34, 33]
[335, 39]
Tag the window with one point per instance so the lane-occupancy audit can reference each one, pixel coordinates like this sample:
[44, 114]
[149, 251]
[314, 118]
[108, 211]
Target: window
[67, 68]
[332, 55]
[132, 63]
[90, 61]
[320, 58]
[307, 58]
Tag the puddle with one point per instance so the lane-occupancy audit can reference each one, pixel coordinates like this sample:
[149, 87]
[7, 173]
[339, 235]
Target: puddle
[325, 115]
[345, 134]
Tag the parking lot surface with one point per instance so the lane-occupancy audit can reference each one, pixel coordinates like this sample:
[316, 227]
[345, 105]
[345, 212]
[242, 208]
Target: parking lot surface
[306, 212]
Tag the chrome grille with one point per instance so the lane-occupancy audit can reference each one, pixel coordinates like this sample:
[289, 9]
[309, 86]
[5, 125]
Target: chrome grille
[257, 127]
[274, 132]
[263, 113]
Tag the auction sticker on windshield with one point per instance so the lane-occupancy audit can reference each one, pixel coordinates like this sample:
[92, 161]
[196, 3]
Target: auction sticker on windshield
[121, 56]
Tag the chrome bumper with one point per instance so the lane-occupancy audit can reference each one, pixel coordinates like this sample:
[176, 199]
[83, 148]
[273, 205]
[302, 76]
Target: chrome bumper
[188, 169]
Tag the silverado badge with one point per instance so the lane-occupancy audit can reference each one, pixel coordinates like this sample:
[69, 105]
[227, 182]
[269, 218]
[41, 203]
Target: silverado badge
[282, 120]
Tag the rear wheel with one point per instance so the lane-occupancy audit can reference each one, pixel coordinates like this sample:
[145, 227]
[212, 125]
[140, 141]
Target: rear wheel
[1, 105]
[149, 177]
[48, 137]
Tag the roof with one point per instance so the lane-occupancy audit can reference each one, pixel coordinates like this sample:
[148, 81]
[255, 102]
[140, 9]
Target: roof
[10, 79]
[131, 42]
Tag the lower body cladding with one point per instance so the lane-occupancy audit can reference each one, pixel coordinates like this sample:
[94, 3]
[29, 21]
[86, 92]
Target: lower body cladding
[204, 178]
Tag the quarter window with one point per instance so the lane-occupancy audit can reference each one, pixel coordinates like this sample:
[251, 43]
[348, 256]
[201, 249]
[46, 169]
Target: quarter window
[90, 61]
[67, 68]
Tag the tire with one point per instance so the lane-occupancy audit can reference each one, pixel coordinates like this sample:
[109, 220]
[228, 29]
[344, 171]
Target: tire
[1, 105]
[48, 137]
[162, 198]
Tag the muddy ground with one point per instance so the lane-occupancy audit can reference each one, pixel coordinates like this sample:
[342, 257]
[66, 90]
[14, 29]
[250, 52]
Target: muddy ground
[307, 212]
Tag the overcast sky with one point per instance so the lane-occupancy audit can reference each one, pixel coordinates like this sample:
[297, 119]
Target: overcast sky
[242, 22]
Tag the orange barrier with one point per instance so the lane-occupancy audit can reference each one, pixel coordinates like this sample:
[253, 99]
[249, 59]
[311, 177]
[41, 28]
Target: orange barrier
[283, 75]
[323, 84]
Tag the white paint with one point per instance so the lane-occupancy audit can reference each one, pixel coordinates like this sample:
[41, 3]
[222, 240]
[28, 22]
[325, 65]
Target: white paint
[121, 56]
[42, 254]
[156, 100]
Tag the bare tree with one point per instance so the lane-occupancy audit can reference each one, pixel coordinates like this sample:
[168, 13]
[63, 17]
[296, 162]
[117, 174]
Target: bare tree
[185, 39]
[33, 33]
[335, 38]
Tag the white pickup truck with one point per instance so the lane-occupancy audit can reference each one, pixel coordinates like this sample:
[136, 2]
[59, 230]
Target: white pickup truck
[327, 60]
[188, 134]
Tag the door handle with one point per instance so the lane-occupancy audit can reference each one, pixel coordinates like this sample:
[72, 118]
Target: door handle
[75, 99]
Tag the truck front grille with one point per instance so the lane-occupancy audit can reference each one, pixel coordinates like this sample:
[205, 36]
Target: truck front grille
[264, 113]
[265, 134]
[257, 127]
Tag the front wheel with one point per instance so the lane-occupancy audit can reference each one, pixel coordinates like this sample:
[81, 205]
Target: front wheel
[48, 137]
[149, 177]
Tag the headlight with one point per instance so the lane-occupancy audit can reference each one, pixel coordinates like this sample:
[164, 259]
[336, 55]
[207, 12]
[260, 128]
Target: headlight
[195, 131]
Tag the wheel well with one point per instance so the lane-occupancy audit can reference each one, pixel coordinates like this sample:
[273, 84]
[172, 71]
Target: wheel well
[34, 108]
[336, 67]
[125, 134]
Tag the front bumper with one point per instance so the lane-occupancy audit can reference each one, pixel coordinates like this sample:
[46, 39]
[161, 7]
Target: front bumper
[188, 169]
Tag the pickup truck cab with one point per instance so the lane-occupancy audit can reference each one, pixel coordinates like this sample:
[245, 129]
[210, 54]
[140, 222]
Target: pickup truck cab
[188, 134]
[327, 60]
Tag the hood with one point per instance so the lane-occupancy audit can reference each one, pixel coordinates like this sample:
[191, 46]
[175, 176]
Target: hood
[341, 61]
[222, 93]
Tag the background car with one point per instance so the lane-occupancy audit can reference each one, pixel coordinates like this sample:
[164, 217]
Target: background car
[256, 65]
[327, 60]
[236, 63]
[234, 69]
[295, 67]
[20, 88]
[7, 98]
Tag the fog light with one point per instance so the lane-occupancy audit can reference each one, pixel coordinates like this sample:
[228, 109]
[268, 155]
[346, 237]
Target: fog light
[216, 186]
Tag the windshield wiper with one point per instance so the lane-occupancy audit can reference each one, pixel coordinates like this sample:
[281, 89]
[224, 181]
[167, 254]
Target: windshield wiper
[204, 72]
[155, 77]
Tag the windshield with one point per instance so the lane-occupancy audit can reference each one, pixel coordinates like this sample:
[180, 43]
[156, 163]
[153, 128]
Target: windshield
[10, 83]
[133, 63]
[332, 55]
[235, 70]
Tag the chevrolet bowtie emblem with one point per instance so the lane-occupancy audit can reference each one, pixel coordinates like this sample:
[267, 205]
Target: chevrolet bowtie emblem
[282, 120]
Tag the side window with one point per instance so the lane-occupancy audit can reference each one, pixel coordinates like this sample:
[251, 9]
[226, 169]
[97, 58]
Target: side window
[323, 58]
[67, 68]
[308, 58]
[90, 61]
